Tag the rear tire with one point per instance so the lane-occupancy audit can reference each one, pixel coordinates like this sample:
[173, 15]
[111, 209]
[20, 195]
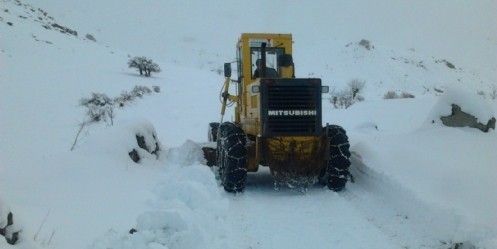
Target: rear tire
[336, 172]
[232, 157]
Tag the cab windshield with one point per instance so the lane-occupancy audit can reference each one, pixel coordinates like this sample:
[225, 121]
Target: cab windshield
[272, 54]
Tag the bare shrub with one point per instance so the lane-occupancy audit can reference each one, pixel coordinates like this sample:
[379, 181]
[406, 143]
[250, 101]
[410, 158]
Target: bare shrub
[139, 91]
[100, 107]
[82, 125]
[124, 98]
[366, 44]
[356, 86]
[406, 95]
[390, 95]
[395, 95]
[345, 98]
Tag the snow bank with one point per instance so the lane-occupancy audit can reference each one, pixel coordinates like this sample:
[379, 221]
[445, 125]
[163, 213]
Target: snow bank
[185, 214]
[118, 140]
[449, 169]
[187, 154]
[97, 185]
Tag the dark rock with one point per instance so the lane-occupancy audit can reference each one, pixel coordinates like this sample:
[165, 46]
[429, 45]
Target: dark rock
[90, 37]
[11, 237]
[140, 140]
[450, 65]
[142, 144]
[134, 156]
[458, 118]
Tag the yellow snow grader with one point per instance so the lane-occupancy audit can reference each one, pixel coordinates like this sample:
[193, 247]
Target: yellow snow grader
[277, 120]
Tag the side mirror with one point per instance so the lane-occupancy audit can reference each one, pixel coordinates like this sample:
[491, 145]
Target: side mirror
[227, 70]
[325, 89]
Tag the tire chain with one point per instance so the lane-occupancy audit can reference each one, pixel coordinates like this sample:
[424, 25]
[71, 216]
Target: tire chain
[232, 157]
[338, 166]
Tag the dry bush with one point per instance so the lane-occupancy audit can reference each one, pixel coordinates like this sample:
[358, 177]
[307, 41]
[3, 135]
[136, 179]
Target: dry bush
[395, 95]
[391, 95]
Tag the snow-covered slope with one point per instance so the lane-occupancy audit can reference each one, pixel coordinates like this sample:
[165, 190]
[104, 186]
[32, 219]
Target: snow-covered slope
[418, 185]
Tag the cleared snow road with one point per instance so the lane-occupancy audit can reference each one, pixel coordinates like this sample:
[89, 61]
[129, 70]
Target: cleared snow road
[262, 217]
[373, 212]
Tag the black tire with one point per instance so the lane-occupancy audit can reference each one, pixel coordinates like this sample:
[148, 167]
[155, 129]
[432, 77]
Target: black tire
[232, 157]
[212, 131]
[336, 172]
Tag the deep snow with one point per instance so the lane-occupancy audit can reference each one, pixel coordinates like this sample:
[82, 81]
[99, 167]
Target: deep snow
[418, 184]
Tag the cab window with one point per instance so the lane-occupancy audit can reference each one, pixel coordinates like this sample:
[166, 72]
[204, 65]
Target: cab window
[271, 61]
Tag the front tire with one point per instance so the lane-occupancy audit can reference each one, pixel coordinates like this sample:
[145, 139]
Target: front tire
[232, 157]
[337, 167]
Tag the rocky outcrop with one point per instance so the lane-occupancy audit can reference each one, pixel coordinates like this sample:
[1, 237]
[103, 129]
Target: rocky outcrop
[458, 118]
[64, 29]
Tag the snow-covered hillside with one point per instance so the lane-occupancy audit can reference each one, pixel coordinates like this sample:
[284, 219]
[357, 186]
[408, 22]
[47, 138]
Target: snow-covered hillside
[418, 184]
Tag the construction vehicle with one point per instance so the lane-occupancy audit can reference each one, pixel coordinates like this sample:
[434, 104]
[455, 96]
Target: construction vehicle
[277, 120]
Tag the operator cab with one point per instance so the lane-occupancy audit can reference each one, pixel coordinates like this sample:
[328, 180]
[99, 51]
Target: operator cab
[271, 56]
[275, 51]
